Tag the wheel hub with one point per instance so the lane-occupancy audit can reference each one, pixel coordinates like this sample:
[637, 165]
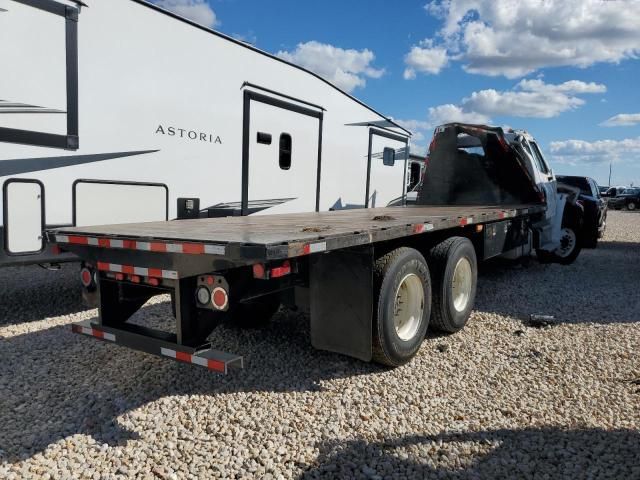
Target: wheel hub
[408, 306]
[567, 242]
[461, 284]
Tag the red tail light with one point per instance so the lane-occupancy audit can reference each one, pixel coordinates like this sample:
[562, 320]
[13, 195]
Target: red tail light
[219, 298]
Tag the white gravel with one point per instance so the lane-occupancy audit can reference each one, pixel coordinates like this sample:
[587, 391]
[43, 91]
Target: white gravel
[498, 400]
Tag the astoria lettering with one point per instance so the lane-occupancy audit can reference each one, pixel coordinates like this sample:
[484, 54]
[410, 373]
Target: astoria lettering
[188, 134]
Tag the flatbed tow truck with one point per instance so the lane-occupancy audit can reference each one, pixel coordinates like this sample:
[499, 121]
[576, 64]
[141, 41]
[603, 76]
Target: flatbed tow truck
[373, 279]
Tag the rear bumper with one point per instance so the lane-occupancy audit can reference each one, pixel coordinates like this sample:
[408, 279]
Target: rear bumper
[138, 338]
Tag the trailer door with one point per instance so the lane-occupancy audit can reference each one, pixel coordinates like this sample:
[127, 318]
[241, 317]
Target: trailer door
[281, 156]
[387, 169]
[23, 216]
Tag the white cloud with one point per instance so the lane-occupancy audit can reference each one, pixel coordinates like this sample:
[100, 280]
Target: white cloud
[421, 131]
[348, 69]
[622, 120]
[453, 113]
[197, 10]
[575, 152]
[249, 37]
[414, 125]
[425, 59]
[519, 37]
[531, 98]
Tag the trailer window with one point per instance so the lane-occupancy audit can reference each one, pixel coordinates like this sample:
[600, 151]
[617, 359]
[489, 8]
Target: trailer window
[285, 151]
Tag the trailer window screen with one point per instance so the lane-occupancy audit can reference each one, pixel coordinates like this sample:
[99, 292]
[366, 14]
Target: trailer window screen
[285, 151]
[39, 81]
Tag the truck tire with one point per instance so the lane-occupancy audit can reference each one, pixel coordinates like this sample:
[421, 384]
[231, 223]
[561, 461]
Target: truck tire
[402, 306]
[455, 276]
[570, 247]
[631, 205]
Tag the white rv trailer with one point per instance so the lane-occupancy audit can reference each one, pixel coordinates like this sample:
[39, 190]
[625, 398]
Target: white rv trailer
[119, 111]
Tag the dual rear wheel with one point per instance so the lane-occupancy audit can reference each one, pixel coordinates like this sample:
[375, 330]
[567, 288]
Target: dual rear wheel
[410, 296]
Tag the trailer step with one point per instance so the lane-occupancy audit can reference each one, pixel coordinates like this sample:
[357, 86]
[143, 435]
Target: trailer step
[203, 356]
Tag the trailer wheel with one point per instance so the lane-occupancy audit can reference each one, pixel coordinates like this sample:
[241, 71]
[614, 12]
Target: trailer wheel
[402, 306]
[455, 276]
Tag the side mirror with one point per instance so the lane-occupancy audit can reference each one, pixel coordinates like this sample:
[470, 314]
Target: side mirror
[388, 156]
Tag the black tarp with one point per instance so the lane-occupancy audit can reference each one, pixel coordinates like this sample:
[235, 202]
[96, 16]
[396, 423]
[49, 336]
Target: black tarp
[474, 165]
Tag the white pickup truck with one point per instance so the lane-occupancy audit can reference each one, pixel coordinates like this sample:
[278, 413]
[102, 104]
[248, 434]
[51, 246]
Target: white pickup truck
[559, 234]
[556, 236]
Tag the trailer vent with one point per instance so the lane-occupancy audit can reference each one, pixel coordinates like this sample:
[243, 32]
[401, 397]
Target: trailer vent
[264, 138]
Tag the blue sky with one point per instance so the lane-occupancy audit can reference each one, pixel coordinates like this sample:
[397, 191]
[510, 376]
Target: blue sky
[565, 70]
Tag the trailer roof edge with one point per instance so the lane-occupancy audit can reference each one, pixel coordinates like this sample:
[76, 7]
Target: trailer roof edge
[157, 8]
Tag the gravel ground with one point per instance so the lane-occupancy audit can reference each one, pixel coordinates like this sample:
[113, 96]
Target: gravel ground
[499, 400]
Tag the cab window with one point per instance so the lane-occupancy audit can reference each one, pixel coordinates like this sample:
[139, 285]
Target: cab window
[544, 168]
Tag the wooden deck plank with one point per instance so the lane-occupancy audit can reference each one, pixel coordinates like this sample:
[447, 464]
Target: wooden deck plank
[291, 228]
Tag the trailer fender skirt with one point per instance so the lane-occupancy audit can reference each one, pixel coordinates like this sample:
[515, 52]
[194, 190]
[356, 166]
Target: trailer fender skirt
[341, 297]
[204, 356]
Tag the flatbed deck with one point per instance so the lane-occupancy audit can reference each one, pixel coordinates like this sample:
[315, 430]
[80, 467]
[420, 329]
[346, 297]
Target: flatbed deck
[133, 262]
[282, 236]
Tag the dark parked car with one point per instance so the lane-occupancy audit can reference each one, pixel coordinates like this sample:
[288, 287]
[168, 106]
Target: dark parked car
[595, 208]
[629, 199]
[612, 191]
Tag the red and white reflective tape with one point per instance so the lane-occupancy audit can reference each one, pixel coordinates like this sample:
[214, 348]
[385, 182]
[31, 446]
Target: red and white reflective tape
[507, 214]
[142, 271]
[93, 332]
[162, 247]
[466, 221]
[422, 227]
[314, 248]
[215, 365]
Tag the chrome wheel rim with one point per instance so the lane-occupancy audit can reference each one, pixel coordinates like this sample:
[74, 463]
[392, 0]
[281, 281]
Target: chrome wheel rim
[408, 307]
[567, 242]
[461, 284]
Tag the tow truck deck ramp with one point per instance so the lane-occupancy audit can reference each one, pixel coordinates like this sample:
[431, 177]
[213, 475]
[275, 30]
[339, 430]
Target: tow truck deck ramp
[243, 258]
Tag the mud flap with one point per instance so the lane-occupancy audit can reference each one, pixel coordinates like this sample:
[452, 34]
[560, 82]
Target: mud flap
[341, 290]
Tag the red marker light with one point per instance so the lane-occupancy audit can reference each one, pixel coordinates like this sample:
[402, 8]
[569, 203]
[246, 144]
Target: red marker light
[258, 270]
